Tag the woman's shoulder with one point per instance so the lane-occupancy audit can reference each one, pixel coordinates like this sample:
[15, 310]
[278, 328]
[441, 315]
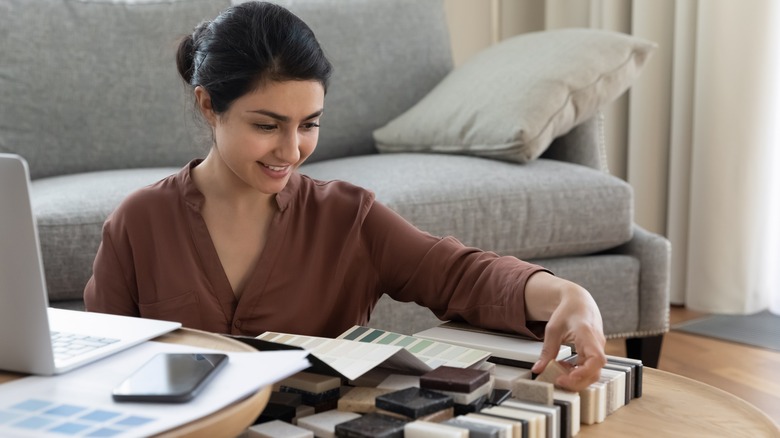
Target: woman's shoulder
[335, 191]
[159, 192]
[150, 200]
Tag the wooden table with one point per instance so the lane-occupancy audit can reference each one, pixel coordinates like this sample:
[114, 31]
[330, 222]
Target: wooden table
[676, 406]
[670, 406]
[227, 422]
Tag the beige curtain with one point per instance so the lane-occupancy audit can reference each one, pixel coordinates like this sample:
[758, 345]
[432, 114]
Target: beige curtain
[697, 137]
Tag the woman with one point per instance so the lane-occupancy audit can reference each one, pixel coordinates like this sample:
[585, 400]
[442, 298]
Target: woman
[241, 243]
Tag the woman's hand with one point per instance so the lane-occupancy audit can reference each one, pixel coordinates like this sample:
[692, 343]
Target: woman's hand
[572, 317]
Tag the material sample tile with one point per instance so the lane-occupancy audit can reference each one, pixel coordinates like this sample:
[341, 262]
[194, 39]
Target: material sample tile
[574, 399]
[464, 398]
[372, 426]
[311, 382]
[277, 429]
[477, 430]
[505, 375]
[425, 429]
[361, 399]
[400, 381]
[453, 379]
[533, 391]
[324, 424]
[551, 372]
[414, 402]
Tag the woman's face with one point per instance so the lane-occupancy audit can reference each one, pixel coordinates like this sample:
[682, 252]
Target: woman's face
[269, 132]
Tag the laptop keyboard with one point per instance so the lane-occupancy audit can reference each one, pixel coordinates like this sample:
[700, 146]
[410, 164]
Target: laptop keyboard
[68, 345]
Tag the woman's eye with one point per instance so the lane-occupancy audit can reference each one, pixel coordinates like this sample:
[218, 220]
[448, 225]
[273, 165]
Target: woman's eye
[310, 126]
[266, 128]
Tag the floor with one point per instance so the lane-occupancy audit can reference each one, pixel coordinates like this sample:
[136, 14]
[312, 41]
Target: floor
[750, 373]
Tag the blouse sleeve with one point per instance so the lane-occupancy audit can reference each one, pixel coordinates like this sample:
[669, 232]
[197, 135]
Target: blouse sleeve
[111, 288]
[454, 281]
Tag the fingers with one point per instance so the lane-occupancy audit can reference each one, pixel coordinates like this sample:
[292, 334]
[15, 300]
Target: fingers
[550, 349]
[587, 371]
[581, 376]
[576, 319]
[590, 361]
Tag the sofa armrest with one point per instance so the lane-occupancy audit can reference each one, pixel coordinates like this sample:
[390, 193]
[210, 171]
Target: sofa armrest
[654, 253]
[584, 145]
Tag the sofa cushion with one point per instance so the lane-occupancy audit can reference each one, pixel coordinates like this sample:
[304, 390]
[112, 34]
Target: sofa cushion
[386, 56]
[512, 99]
[70, 211]
[92, 85]
[543, 209]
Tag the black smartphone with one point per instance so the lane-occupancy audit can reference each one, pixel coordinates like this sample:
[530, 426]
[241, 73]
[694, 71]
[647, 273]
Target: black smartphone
[170, 378]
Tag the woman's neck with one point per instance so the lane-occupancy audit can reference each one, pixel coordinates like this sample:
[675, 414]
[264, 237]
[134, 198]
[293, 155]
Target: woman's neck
[220, 185]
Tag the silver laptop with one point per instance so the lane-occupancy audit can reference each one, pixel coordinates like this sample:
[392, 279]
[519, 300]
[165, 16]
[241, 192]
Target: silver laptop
[34, 338]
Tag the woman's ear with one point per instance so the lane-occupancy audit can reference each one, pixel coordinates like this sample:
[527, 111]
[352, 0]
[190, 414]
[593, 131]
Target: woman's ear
[203, 100]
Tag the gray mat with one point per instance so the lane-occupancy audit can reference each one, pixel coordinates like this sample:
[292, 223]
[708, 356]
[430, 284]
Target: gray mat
[759, 330]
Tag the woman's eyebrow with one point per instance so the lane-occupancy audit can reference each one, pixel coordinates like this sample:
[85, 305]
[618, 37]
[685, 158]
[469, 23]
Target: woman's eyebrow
[283, 118]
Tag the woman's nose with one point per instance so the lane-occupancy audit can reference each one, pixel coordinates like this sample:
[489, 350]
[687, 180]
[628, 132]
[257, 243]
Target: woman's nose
[289, 148]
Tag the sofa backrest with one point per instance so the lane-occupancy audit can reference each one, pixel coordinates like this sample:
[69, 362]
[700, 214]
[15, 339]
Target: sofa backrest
[387, 55]
[92, 84]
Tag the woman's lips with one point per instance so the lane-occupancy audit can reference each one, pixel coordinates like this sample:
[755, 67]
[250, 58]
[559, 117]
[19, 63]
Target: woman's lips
[275, 170]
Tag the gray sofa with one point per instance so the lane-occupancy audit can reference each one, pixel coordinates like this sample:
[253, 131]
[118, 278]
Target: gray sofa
[90, 97]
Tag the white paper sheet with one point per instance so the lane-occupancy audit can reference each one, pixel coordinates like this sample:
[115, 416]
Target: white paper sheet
[353, 357]
[79, 403]
[498, 344]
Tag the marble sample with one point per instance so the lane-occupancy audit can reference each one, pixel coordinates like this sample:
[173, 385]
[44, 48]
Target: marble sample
[303, 411]
[519, 427]
[426, 429]
[273, 412]
[285, 398]
[361, 399]
[533, 391]
[505, 375]
[311, 382]
[537, 422]
[475, 406]
[508, 428]
[324, 424]
[414, 402]
[477, 430]
[399, 381]
[497, 396]
[453, 379]
[552, 371]
[277, 429]
[464, 398]
[372, 425]
[436, 417]
[573, 398]
[553, 414]
[312, 398]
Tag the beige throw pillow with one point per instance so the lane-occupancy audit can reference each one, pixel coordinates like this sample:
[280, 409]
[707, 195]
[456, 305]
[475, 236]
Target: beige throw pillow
[513, 99]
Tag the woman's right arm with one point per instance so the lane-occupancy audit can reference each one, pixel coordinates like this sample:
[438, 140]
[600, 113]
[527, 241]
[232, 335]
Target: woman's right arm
[111, 289]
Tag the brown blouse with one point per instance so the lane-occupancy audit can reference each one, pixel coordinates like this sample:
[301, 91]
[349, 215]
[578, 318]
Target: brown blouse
[331, 252]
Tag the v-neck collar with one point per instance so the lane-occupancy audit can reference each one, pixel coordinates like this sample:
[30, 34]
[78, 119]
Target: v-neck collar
[195, 199]
[209, 258]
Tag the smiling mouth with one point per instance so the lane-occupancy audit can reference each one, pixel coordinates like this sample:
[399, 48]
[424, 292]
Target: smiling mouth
[275, 168]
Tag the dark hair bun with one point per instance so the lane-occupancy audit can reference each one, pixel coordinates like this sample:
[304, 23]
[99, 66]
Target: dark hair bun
[185, 56]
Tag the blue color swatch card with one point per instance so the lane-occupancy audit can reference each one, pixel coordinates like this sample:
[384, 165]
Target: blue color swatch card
[79, 403]
[37, 417]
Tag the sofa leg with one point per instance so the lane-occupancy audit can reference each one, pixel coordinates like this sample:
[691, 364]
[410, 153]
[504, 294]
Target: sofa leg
[646, 349]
